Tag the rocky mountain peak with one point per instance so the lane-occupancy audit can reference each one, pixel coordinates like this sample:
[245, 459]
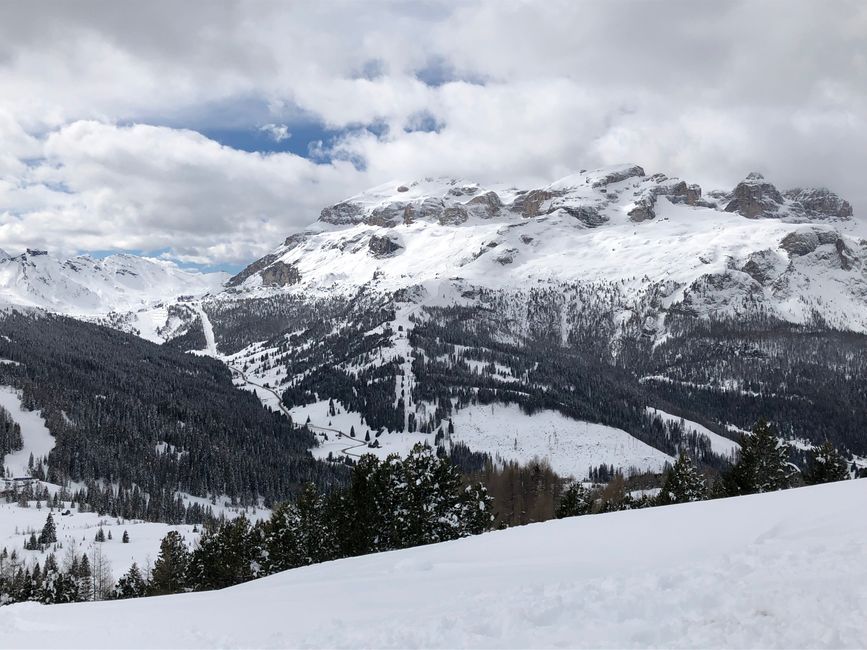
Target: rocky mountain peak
[756, 198]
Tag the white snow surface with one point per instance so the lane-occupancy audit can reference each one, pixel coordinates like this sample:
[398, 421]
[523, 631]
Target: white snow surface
[570, 446]
[779, 570]
[719, 444]
[89, 288]
[35, 435]
[77, 531]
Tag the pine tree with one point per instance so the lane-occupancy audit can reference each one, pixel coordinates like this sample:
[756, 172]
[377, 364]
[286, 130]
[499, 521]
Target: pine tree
[57, 586]
[125, 538]
[316, 541]
[683, 483]
[170, 569]
[49, 532]
[477, 510]
[84, 579]
[825, 465]
[763, 463]
[354, 514]
[100, 535]
[131, 585]
[577, 500]
[226, 556]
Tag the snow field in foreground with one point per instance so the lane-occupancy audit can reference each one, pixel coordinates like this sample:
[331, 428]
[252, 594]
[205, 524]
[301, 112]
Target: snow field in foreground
[785, 570]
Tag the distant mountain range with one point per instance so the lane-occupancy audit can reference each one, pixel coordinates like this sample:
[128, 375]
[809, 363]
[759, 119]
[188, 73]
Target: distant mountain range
[128, 291]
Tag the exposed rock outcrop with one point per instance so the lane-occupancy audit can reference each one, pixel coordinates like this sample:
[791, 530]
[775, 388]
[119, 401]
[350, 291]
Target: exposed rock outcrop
[764, 266]
[280, 274]
[341, 214]
[529, 204]
[674, 189]
[485, 205]
[819, 204]
[382, 246]
[388, 216]
[252, 269]
[453, 215]
[618, 175]
[507, 256]
[588, 215]
[755, 198]
[801, 242]
[644, 209]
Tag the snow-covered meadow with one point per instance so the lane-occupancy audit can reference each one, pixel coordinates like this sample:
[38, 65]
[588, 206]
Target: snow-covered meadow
[77, 530]
[779, 570]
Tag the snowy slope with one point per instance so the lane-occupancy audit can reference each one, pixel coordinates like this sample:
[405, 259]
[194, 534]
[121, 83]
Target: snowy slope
[134, 288]
[719, 444]
[780, 570]
[77, 531]
[570, 446]
[615, 225]
[35, 436]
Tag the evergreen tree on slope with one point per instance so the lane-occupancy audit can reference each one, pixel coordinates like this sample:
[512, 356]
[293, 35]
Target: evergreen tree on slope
[49, 532]
[576, 500]
[170, 569]
[225, 557]
[131, 585]
[763, 463]
[683, 483]
[825, 465]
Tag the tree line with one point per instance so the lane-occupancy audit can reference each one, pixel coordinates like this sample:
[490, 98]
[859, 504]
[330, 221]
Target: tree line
[389, 504]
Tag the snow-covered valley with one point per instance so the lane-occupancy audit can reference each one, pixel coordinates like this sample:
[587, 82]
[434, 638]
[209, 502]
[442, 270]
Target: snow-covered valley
[779, 570]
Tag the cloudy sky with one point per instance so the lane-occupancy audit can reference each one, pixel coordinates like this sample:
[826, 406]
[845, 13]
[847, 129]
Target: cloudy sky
[208, 131]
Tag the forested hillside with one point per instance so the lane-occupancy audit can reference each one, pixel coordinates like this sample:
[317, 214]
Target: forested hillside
[151, 419]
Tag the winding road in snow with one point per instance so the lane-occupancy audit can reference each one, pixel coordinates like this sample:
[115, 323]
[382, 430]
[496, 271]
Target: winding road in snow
[346, 450]
[211, 349]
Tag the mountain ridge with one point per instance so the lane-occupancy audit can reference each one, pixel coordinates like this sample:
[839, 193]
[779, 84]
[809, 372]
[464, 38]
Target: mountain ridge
[605, 297]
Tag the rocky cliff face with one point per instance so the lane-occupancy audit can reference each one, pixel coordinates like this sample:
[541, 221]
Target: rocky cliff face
[280, 274]
[664, 245]
[756, 198]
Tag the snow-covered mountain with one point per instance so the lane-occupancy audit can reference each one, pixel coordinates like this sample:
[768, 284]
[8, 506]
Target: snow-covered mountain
[128, 291]
[556, 321]
[783, 569]
[417, 305]
[794, 253]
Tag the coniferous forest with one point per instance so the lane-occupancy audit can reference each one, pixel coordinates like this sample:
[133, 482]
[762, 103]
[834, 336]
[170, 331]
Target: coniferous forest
[151, 420]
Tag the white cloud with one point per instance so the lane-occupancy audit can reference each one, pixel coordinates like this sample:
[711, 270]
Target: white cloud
[707, 91]
[277, 132]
